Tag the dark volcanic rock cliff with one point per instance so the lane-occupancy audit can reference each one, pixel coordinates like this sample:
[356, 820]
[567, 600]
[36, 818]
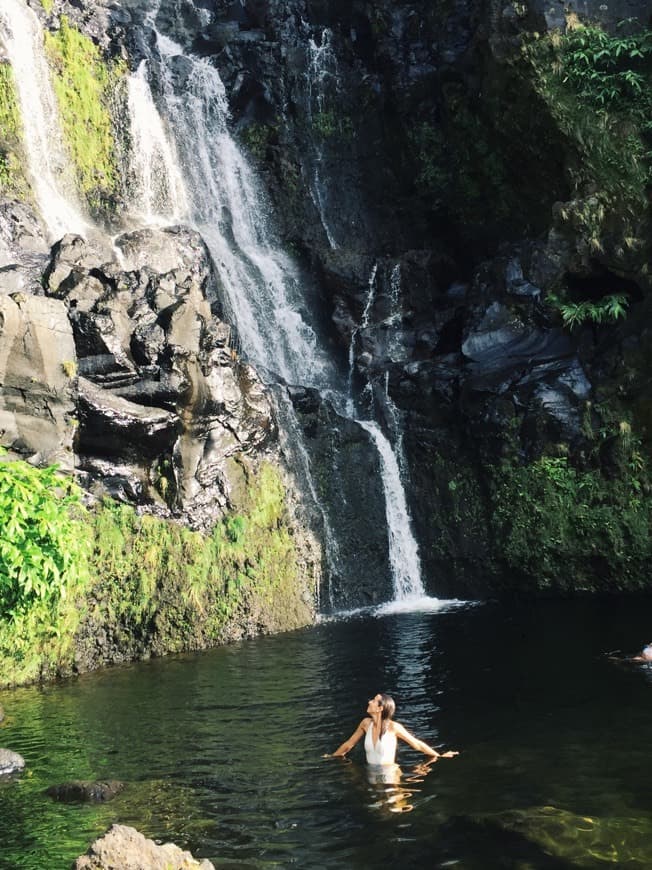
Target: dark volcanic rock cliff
[451, 198]
[476, 221]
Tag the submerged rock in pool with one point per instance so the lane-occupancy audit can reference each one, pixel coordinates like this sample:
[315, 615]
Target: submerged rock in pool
[85, 791]
[128, 849]
[10, 762]
[623, 841]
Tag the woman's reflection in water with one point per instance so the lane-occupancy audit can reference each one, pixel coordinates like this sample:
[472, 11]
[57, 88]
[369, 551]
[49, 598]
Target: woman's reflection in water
[393, 790]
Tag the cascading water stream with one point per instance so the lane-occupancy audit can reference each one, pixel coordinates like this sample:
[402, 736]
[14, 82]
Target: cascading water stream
[48, 163]
[403, 548]
[261, 283]
[321, 72]
[156, 189]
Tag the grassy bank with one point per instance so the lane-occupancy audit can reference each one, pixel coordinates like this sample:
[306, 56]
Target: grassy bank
[82, 588]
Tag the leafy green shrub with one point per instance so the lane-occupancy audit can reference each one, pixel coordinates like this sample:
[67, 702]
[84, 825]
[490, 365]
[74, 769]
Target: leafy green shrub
[44, 550]
[608, 309]
[599, 88]
[42, 553]
[562, 528]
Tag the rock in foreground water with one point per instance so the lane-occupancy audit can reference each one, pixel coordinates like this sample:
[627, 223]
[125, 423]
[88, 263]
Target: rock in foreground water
[85, 791]
[10, 762]
[125, 848]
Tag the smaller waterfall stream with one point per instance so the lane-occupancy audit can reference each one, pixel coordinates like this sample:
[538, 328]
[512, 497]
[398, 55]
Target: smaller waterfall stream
[156, 189]
[321, 73]
[403, 550]
[48, 164]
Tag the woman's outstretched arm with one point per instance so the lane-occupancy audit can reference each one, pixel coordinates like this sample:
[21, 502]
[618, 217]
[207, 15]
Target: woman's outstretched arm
[419, 745]
[348, 745]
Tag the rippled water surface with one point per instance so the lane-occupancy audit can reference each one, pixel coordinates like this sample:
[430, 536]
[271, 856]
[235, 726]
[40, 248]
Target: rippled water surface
[221, 752]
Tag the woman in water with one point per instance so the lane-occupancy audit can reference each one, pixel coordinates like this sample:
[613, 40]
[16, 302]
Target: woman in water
[381, 733]
[645, 655]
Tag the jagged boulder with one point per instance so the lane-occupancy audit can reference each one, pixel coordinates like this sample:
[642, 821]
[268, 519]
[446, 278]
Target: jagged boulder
[37, 369]
[164, 403]
[124, 848]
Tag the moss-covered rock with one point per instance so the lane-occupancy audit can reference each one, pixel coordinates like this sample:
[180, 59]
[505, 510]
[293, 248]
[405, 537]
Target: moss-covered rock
[12, 178]
[85, 84]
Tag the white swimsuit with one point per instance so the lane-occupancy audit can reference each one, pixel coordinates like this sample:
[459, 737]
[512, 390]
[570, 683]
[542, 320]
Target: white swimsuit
[384, 751]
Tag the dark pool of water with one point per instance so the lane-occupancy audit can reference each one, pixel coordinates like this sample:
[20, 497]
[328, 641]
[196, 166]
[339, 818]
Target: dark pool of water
[221, 752]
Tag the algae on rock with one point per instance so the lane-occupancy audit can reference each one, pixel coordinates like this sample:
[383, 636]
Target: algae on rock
[84, 83]
[12, 178]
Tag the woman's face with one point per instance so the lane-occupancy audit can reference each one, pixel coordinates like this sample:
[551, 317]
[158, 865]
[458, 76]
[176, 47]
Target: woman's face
[375, 705]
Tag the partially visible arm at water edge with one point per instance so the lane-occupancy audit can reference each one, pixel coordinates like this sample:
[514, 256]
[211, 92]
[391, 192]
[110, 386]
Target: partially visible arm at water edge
[419, 745]
[348, 745]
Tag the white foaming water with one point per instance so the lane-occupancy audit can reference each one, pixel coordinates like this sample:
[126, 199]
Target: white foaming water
[48, 164]
[260, 282]
[156, 189]
[411, 604]
[403, 550]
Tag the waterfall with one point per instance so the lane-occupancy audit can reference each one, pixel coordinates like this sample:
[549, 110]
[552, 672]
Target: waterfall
[196, 173]
[155, 188]
[403, 550]
[321, 71]
[261, 283]
[226, 204]
[48, 163]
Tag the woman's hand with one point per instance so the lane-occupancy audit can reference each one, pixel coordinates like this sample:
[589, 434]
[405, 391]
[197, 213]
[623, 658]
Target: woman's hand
[450, 754]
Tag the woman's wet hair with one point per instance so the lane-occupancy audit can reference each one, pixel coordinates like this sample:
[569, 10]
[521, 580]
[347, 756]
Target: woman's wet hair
[387, 712]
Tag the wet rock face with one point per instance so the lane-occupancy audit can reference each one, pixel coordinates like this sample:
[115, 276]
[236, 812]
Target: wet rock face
[162, 400]
[346, 474]
[115, 362]
[22, 239]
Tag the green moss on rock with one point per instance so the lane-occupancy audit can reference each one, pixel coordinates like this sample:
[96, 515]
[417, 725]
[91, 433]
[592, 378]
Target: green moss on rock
[84, 84]
[564, 529]
[12, 178]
